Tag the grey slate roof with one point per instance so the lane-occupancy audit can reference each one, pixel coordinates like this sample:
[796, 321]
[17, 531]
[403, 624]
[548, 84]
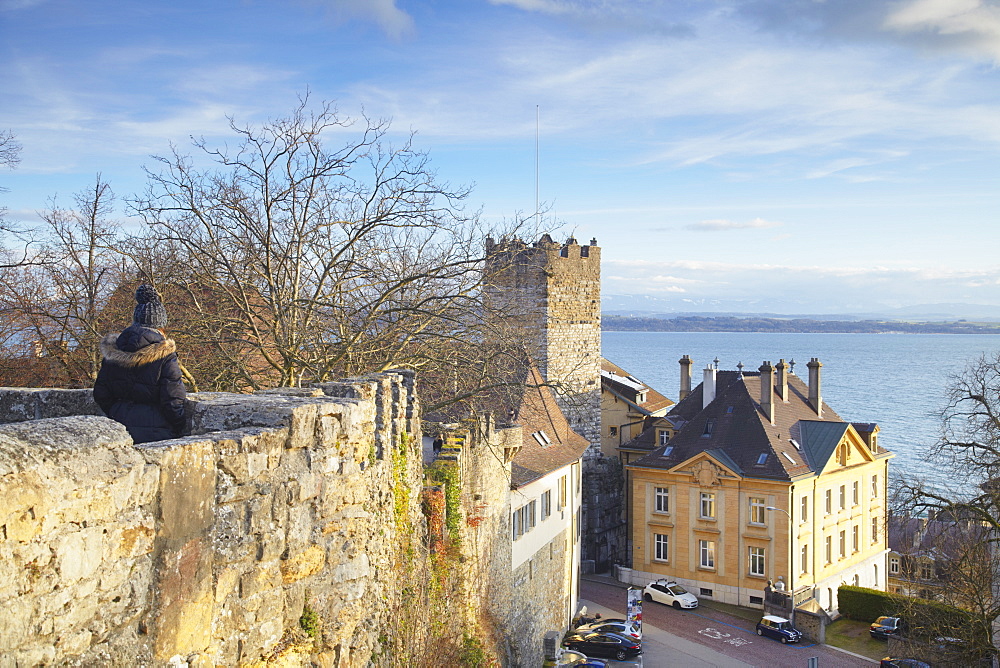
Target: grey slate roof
[740, 434]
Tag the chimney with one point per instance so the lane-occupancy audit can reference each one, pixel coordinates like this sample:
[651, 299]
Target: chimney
[767, 391]
[815, 397]
[708, 387]
[685, 363]
[782, 380]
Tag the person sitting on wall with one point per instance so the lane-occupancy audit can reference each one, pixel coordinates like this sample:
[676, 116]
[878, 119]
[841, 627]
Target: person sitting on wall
[139, 383]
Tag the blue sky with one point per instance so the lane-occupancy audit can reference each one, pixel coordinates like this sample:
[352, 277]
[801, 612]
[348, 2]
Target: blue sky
[799, 156]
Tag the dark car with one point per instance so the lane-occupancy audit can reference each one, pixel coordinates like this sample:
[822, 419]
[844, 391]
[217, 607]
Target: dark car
[610, 645]
[883, 627]
[778, 628]
[891, 662]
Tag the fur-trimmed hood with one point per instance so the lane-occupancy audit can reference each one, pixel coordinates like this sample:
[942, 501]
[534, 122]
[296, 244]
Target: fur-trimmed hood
[145, 355]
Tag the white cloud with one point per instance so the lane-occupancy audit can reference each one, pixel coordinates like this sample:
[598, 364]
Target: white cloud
[393, 21]
[972, 26]
[720, 225]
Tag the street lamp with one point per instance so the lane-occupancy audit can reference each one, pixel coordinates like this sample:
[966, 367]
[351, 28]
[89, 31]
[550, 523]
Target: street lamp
[791, 553]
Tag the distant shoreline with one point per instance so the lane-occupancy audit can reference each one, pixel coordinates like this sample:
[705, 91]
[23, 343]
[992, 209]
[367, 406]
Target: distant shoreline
[618, 323]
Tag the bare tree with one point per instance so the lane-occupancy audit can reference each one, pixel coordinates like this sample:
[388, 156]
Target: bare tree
[62, 302]
[302, 263]
[969, 564]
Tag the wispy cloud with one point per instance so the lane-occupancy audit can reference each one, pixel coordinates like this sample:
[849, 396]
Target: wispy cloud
[972, 26]
[720, 225]
[392, 20]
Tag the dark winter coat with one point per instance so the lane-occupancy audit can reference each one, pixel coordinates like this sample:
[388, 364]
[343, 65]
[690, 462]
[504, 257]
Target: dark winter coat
[139, 384]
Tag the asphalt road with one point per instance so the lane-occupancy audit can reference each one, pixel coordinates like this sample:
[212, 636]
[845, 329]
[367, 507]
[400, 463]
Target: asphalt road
[706, 637]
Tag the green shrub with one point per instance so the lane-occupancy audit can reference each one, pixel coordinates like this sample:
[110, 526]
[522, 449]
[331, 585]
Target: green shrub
[309, 621]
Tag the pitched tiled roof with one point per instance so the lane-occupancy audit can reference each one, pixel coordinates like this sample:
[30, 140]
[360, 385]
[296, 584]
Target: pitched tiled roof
[733, 429]
[625, 385]
[538, 413]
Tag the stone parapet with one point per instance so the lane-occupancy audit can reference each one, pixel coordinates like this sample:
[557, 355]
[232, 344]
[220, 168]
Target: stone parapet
[206, 550]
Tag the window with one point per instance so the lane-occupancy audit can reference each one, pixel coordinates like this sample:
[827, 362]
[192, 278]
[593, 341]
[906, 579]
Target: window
[874, 529]
[829, 549]
[829, 501]
[546, 504]
[562, 493]
[855, 497]
[843, 544]
[704, 592]
[894, 565]
[707, 505]
[756, 510]
[668, 450]
[854, 539]
[805, 509]
[843, 497]
[756, 556]
[664, 437]
[661, 543]
[662, 499]
[709, 427]
[926, 570]
[761, 459]
[875, 486]
[805, 558]
[612, 431]
[707, 550]
[523, 520]
[756, 600]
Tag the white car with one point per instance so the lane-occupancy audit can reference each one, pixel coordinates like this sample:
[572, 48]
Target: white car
[620, 626]
[669, 592]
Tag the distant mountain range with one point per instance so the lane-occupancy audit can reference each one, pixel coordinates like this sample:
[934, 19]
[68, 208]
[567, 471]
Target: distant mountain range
[744, 323]
[644, 306]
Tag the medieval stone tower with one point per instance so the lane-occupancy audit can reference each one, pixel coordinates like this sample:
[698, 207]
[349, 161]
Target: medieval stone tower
[554, 290]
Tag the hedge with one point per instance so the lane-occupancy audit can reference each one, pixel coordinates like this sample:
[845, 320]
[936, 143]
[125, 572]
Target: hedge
[864, 605]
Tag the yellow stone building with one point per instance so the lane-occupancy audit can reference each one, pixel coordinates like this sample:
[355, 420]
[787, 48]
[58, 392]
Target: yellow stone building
[626, 403]
[760, 482]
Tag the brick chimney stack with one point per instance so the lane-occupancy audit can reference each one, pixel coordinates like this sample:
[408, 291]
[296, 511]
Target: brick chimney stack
[815, 396]
[767, 390]
[708, 386]
[685, 363]
[782, 369]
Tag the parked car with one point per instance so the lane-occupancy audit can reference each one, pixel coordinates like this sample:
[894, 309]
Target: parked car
[778, 628]
[588, 662]
[891, 662]
[619, 626]
[669, 592]
[883, 627]
[610, 645]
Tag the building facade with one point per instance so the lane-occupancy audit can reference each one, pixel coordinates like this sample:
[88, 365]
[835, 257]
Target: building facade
[760, 482]
[626, 403]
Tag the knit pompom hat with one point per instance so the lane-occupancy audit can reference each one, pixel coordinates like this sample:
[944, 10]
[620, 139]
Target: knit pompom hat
[149, 311]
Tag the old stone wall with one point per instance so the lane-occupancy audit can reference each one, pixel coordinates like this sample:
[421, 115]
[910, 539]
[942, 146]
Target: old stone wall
[208, 550]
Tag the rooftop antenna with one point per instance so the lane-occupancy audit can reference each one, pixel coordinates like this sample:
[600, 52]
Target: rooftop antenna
[536, 163]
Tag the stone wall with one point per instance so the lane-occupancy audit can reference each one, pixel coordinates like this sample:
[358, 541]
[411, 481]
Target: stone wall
[207, 550]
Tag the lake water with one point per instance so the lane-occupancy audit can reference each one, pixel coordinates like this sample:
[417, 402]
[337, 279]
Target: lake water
[896, 380]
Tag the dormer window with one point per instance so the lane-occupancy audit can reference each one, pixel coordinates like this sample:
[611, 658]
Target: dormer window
[664, 437]
[709, 427]
[541, 438]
